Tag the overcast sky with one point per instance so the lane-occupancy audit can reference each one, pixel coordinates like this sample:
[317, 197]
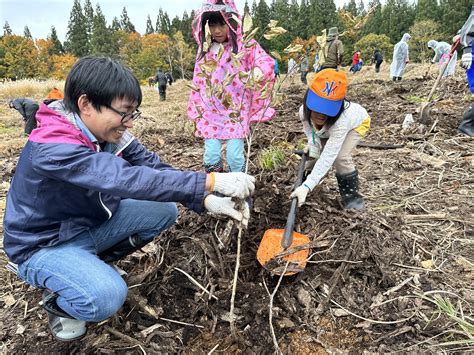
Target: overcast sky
[40, 15]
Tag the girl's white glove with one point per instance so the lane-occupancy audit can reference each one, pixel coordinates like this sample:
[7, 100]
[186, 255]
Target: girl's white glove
[238, 185]
[300, 193]
[225, 206]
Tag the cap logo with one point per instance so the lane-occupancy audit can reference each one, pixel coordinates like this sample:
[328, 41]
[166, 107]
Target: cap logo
[330, 88]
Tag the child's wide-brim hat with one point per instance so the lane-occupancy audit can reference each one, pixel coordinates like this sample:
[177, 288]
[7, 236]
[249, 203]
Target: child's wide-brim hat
[327, 91]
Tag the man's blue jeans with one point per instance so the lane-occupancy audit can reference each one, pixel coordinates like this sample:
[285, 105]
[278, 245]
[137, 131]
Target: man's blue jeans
[88, 288]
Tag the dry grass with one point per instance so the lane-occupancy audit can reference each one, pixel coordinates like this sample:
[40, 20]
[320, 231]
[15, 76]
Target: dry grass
[35, 89]
[169, 115]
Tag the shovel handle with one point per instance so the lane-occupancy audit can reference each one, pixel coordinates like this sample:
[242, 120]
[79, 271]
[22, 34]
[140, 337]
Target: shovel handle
[287, 239]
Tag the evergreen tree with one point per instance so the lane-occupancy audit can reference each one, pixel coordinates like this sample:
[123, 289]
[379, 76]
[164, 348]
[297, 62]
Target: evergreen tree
[149, 26]
[158, 24]
[351, 7]
[280, 12]
[329, 18]
[175, 25]
[315, 18]
[101, 35]
[186, 28]
[77, 42]
[254, 8]
[57, 47]
[293, 17]
[125, 22]
[453, 15]
[427, 10]
[374, 22]
[165, 23]
[116, 24]
[27, 33]
[322, 14]
[304, 19]
[246, 8]
[7, 31]
[361, 8]
[89, 15]
[261, 20]
[262, 15]
[397, 17]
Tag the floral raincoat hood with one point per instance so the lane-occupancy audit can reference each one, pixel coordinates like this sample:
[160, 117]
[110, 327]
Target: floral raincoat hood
[219, 104]
[228, 10]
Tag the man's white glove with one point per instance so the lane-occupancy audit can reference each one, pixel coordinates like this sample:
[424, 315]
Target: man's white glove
[312, 150]
[300, 193]
[466, 60]
[225, 206]
[238, 185]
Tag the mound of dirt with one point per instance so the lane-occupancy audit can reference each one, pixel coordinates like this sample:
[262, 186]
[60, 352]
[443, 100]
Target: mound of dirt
[371, 278]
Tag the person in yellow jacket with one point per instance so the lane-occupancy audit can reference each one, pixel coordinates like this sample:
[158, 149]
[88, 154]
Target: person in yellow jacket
[334, 127]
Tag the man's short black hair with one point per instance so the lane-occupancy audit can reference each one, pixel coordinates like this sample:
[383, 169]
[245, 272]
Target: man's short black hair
[102, 79]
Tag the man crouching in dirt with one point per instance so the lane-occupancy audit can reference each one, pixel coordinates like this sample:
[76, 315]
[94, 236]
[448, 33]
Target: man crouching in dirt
[87, 193]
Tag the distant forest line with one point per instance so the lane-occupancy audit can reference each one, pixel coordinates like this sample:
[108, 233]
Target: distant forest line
[168, 43]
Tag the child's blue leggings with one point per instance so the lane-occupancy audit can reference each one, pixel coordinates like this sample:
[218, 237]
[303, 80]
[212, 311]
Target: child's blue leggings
[235, 155]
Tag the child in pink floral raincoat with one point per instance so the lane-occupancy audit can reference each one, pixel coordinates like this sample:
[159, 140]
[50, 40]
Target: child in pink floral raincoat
[227, 116]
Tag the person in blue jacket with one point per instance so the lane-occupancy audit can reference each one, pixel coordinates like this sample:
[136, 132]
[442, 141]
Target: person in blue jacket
[86, 193]
[276, 70]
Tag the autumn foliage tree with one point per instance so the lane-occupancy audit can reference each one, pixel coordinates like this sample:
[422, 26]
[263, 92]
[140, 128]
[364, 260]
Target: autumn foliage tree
[367, 45]
[62, 64]
[20, 57]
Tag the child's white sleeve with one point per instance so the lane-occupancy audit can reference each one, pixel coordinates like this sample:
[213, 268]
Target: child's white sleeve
[331, 150]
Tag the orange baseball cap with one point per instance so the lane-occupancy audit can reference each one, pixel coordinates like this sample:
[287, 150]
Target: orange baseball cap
[327, 91]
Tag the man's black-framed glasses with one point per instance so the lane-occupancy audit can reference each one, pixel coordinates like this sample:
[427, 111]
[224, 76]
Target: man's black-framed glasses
[126, 117]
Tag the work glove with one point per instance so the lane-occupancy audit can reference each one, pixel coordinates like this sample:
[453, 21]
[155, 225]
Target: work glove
[225, 206]
[300, 193]
[238, 185]
[466, 60]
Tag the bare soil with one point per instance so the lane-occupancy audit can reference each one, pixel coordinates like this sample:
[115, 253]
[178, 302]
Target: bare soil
[372, 277]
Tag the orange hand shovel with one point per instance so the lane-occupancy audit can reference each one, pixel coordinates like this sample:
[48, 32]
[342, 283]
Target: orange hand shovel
[272, 251]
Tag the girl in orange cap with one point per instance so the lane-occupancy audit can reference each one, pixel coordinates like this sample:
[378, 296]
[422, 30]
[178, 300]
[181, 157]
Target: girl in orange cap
[333, 127]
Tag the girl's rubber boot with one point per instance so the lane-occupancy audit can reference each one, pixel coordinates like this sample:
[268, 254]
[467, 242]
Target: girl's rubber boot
[349, 190]
[62, 325]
